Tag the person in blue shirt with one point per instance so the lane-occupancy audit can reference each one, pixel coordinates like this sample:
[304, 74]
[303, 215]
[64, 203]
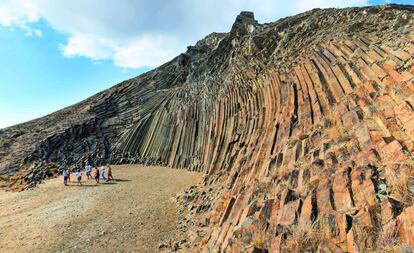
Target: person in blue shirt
[65, 176]
[79, 176]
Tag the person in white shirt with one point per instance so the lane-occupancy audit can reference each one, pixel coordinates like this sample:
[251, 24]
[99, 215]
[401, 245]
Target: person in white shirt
[79, 177]
[88, 170]
[103, 172]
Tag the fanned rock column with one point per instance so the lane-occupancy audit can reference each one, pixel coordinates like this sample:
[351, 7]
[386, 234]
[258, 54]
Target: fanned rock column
[303, 127]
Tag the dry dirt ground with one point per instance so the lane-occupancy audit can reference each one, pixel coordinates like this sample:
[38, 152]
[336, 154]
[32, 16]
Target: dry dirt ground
[133, 213]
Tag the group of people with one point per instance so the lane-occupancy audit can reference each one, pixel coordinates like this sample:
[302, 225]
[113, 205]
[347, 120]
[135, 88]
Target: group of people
[88, 170]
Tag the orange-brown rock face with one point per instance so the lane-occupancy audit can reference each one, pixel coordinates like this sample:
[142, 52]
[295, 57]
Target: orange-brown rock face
[304, 129]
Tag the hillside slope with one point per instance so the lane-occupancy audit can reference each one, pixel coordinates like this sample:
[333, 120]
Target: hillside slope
[303, 127]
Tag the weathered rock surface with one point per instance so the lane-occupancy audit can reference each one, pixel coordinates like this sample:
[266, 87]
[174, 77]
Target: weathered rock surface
[303, 127]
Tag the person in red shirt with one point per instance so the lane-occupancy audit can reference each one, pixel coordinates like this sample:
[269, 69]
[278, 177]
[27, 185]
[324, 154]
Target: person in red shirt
[97, 175]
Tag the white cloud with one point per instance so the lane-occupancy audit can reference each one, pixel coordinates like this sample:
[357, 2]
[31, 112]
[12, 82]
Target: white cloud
[31, 31]
[19, 13]
[138, 33]
[146, 51]
[87, 45]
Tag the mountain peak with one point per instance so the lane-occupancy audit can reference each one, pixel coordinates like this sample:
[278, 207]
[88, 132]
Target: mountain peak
[243, 21]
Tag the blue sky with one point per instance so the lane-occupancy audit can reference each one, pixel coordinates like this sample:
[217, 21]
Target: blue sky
[56, 53]
[35, 79]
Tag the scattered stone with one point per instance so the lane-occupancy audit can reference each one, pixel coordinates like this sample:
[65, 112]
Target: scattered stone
[410, 184]
[162, 246]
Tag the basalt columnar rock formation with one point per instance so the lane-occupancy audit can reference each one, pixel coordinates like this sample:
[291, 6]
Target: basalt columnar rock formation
[303, 128]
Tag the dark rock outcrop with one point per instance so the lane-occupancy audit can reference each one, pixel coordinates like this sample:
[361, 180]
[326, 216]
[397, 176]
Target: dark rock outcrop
[244, 23]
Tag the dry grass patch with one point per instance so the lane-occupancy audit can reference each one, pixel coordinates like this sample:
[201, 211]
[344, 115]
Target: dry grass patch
[304, 238]
[259, 240]
[401, 180]
[389, 242]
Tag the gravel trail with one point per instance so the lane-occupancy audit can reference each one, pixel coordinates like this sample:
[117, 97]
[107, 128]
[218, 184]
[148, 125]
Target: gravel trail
[133, 213]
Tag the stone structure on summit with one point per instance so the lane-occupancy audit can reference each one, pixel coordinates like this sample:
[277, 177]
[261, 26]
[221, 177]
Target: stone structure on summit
[303, 128]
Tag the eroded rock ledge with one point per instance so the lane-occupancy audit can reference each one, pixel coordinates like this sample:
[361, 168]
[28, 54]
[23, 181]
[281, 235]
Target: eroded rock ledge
[303, 127]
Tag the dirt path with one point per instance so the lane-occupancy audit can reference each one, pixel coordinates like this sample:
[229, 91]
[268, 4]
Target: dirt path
[132, 214]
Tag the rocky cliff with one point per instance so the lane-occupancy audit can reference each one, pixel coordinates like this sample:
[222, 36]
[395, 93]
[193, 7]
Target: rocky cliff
[303, 129]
